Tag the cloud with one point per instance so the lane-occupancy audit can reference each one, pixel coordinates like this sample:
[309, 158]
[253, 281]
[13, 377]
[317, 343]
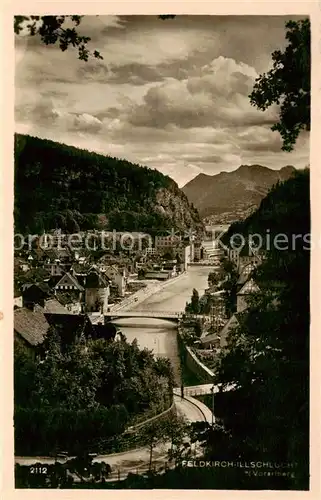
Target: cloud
[169, 95]
[80, 122]
[40, 112]
[219, 97]
[131, 73]
[44, 113]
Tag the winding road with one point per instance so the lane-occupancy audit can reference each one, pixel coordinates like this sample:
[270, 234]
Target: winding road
[138, 459]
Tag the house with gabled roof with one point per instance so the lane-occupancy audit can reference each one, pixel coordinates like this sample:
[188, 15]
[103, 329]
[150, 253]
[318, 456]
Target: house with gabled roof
[69, 282]
[117, 277]
[245, 255]
[30, 327]
[71, 301]
[35, 293]
[80, 271]
[244, 274]
[244, 295]
[61, 254]
[58, 261]
[53, 306]
[219, 339]
[70, 293]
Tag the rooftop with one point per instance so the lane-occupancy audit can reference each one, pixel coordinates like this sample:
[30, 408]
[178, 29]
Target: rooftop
[249, 287]
[31, 325]
[55, 307]
[68, 279]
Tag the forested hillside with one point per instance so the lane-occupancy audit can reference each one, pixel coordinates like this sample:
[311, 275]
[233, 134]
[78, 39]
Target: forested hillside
[268, 354]
[69, 188]
[285, 209]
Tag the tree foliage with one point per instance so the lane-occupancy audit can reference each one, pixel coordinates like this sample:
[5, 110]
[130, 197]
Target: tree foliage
[54, 30]
[62, 475]
[78, 396]
[267, 356]
[193, 307]
[288, 84]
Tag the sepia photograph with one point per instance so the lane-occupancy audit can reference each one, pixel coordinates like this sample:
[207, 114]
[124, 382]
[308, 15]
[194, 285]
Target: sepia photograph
[162, 252]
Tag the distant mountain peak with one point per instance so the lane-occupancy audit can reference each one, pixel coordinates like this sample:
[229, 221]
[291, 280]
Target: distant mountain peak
[247, 167]
[236, 190]
[288, 168]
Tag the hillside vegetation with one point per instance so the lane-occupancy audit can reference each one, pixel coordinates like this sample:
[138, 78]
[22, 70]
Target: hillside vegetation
[74, 399]
[268, 354]
[65, 187]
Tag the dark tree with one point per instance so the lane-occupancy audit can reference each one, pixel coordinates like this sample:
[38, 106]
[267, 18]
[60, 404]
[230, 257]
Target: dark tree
[195, 303]
[288, 84]
[267, 355]
[52, 29]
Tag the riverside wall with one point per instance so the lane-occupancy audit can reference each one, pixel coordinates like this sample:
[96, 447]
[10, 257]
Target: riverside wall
[189, 358]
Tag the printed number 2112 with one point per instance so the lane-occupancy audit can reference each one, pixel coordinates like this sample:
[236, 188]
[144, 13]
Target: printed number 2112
[38, 470]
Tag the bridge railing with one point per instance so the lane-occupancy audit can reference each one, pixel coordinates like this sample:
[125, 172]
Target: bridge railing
[144, 313]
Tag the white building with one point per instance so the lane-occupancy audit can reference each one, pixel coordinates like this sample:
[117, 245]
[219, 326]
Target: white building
[185, 254]
[150, 251]
[168, 241]
[117, 277]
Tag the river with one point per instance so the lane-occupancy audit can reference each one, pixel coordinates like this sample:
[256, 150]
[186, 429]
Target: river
[158, 335]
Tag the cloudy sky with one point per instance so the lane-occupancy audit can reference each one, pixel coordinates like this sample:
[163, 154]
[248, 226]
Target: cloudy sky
[171, 95]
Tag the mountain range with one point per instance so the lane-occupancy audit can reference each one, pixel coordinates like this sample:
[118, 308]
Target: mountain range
[233, 192]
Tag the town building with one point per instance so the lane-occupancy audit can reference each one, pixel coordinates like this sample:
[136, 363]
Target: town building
[185, 254]
[171, 267]
[17, 301]
[244, 295]
[160, 275]
[53, 306]
[150, 251]
[198, 252]
[244, 274]
[96, 291]
[219, 339]
[245, 255]
[118, 278]
[70, 293]
[30, 327]
[168, 241]
[35, 293]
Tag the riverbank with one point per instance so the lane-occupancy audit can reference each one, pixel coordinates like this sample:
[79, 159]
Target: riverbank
[144, 293]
